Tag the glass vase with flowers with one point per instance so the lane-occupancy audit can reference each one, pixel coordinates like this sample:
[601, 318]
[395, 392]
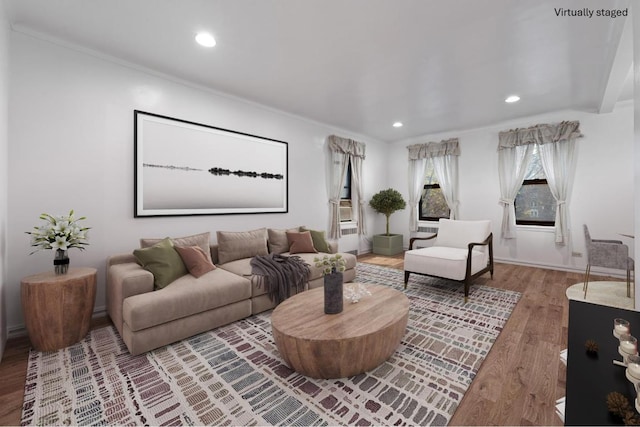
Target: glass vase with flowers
[59, 233]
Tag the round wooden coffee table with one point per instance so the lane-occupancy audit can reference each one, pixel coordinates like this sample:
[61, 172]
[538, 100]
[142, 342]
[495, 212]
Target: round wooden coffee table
[358, 339]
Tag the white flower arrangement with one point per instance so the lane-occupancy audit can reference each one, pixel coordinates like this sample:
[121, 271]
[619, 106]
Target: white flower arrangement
[331, 264]
[59, 232]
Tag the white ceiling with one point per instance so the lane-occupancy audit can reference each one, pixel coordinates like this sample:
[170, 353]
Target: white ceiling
[435, 65]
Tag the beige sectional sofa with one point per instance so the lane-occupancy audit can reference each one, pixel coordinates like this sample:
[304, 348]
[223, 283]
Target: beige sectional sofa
[148, 318]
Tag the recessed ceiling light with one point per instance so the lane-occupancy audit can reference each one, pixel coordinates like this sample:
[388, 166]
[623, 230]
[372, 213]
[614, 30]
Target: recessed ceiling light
[205, 39]
[397, 125]
[512, 98]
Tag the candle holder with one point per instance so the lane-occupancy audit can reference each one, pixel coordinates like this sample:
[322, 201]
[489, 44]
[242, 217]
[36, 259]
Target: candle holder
[628, 347]
[633, 369]
[621, 326]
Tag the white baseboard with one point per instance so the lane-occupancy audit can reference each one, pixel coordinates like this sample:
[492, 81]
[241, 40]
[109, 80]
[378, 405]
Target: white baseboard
[594, 270]
[19, 331]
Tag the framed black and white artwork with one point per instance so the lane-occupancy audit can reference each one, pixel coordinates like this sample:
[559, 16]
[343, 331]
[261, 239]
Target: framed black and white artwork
[186, 168]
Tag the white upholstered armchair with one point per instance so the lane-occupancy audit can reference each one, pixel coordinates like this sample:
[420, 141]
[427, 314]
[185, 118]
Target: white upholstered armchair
[462, 251]
[607, 254]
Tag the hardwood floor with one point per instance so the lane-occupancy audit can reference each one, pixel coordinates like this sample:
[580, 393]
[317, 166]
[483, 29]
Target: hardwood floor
[518, 382]
[522, 377]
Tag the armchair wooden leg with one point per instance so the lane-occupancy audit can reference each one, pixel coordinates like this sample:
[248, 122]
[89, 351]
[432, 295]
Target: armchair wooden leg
[466, 292]
[406, 278]
[586, 280]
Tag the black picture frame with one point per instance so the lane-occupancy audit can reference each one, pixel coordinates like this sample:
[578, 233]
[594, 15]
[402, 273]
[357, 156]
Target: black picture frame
[186, 168]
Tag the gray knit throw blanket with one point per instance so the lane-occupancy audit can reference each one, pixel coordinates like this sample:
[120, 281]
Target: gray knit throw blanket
[279, 275]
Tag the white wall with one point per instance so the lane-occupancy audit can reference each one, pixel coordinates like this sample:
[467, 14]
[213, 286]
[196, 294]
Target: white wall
[602, 196]
[4, 101]
[635, 16]
[71, 146]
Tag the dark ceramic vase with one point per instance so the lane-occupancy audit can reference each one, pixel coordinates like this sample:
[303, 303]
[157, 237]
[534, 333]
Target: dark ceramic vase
[333, 293]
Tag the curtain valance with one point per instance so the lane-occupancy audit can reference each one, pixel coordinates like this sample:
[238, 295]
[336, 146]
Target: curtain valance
[346, 146]
[449, 147]
[540, 134]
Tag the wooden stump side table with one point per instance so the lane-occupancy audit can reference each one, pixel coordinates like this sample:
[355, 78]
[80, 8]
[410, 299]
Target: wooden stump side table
[58, 308]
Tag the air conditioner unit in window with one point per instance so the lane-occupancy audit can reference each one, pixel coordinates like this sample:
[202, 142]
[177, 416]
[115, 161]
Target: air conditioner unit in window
[346, 211]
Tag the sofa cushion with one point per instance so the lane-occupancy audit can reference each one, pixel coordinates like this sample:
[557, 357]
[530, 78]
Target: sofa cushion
[278, 242]
[443, 261]
[201, 240]
[233, 245]
[162, 261]
[300, 242]
[319, 240]
[195, 259]
[458, 234]
[242, 268]
[184, 297]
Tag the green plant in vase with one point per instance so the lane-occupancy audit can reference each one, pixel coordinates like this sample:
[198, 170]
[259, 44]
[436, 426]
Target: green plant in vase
[387, 202]
[332, 268]
[59, 233]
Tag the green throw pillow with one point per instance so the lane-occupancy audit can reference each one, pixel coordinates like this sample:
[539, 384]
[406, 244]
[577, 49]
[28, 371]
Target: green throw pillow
[163, 261]
[319, 240]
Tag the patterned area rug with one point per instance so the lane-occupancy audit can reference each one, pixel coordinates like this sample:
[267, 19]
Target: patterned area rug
[233, 375]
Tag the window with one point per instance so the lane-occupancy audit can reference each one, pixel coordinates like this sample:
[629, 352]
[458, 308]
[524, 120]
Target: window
[346, 189]
[433, 205]
[534, 204]
[346, 207]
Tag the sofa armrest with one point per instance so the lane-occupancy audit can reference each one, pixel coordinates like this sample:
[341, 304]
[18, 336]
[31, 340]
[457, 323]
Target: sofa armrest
[414, 239]
[120, 259]
[123, 281]
[333, 246]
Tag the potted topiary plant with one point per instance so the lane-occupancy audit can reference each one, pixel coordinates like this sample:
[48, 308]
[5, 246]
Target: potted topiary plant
[387, 202]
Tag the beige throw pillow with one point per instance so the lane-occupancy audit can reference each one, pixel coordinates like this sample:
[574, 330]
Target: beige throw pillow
[234, 245]
[278, 242]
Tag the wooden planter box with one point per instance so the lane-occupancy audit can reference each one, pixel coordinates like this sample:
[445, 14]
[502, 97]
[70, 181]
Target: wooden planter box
[387, 245]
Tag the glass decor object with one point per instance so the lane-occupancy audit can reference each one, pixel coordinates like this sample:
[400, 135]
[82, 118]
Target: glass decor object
[628, 347]
[633, 368]
[355, 292]
[620, 326]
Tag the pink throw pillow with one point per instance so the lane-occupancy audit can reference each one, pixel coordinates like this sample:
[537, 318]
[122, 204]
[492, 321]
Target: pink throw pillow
[195, 260]
[300, 242]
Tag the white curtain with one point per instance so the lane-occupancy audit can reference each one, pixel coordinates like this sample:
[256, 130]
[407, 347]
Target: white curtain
[445, 157]
[556, 144]
[446, 169]
[512, 166]
[356, 181]
[558, 162]
[416, 184]
[343, 151]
